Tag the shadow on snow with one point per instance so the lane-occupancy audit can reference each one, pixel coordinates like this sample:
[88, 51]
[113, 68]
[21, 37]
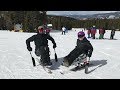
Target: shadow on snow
[98, 63]
[93, 63]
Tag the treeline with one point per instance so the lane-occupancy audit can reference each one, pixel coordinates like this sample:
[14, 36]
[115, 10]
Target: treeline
[29, 19]
[59, 21]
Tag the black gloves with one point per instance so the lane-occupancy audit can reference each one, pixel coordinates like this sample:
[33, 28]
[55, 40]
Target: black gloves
[29, 48]
[89, 53]
[54, 46]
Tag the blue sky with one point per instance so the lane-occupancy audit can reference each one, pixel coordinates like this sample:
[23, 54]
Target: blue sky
[76, 12]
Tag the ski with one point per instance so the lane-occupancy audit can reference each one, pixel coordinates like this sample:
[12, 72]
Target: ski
[77, 68]
[64, 70]
[45, 68]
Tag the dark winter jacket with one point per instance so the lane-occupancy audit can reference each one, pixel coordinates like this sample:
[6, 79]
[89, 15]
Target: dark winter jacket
[101, 31]
[85, 46]
[112, 32]
[40, 40]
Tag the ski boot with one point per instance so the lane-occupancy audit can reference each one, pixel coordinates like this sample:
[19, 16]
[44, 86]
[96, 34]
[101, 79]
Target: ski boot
[65, 62]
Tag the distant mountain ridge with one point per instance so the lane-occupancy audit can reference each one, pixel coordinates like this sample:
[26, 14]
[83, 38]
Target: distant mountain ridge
[99, 15]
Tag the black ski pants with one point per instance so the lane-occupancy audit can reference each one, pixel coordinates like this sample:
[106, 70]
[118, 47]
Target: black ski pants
[73, 55]
[43, 52]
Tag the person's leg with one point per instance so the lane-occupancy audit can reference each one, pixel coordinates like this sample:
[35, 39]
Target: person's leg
[80, 60]
[82, 57]
[67, 59]
[103, 36]
[88, 35]
[111, 37]
[72, 56]
[62, 32]
[47, 56]
[37, 55]
[99, 36]
[37, 52]
[93, 36]
[42, 54]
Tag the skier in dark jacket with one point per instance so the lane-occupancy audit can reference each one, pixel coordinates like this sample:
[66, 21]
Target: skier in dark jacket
[83, 47]
[41, 45]
[112, 34]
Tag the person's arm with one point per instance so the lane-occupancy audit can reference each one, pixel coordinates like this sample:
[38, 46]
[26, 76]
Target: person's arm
[53, 41]
[77, 43]
[90, 49]
[28, 42]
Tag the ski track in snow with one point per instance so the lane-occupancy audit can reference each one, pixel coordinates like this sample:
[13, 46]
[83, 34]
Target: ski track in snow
[16, 62]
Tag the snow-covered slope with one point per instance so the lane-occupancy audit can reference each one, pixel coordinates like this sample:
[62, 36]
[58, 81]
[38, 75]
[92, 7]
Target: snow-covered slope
[16, 63]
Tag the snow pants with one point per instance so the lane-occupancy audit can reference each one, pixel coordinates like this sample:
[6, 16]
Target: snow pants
[75, 53]
[63, 32]
[111, 36]
[101, 36]
[43, 52]
[88, 35]
[93, 36]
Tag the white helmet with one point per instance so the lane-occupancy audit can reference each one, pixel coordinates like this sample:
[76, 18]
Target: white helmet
[40, 27]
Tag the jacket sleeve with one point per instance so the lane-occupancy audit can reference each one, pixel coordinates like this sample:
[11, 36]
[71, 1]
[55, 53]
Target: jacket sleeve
[50, 38]
[90, 49]
[30, 40]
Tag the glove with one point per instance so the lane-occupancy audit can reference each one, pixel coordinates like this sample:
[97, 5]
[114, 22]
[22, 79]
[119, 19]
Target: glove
[54, 46]
[29, 48]
[89, 53]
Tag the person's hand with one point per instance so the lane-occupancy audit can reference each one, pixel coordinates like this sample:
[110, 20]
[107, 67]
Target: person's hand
[29, 48]
[89, 53]
[54, 46]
